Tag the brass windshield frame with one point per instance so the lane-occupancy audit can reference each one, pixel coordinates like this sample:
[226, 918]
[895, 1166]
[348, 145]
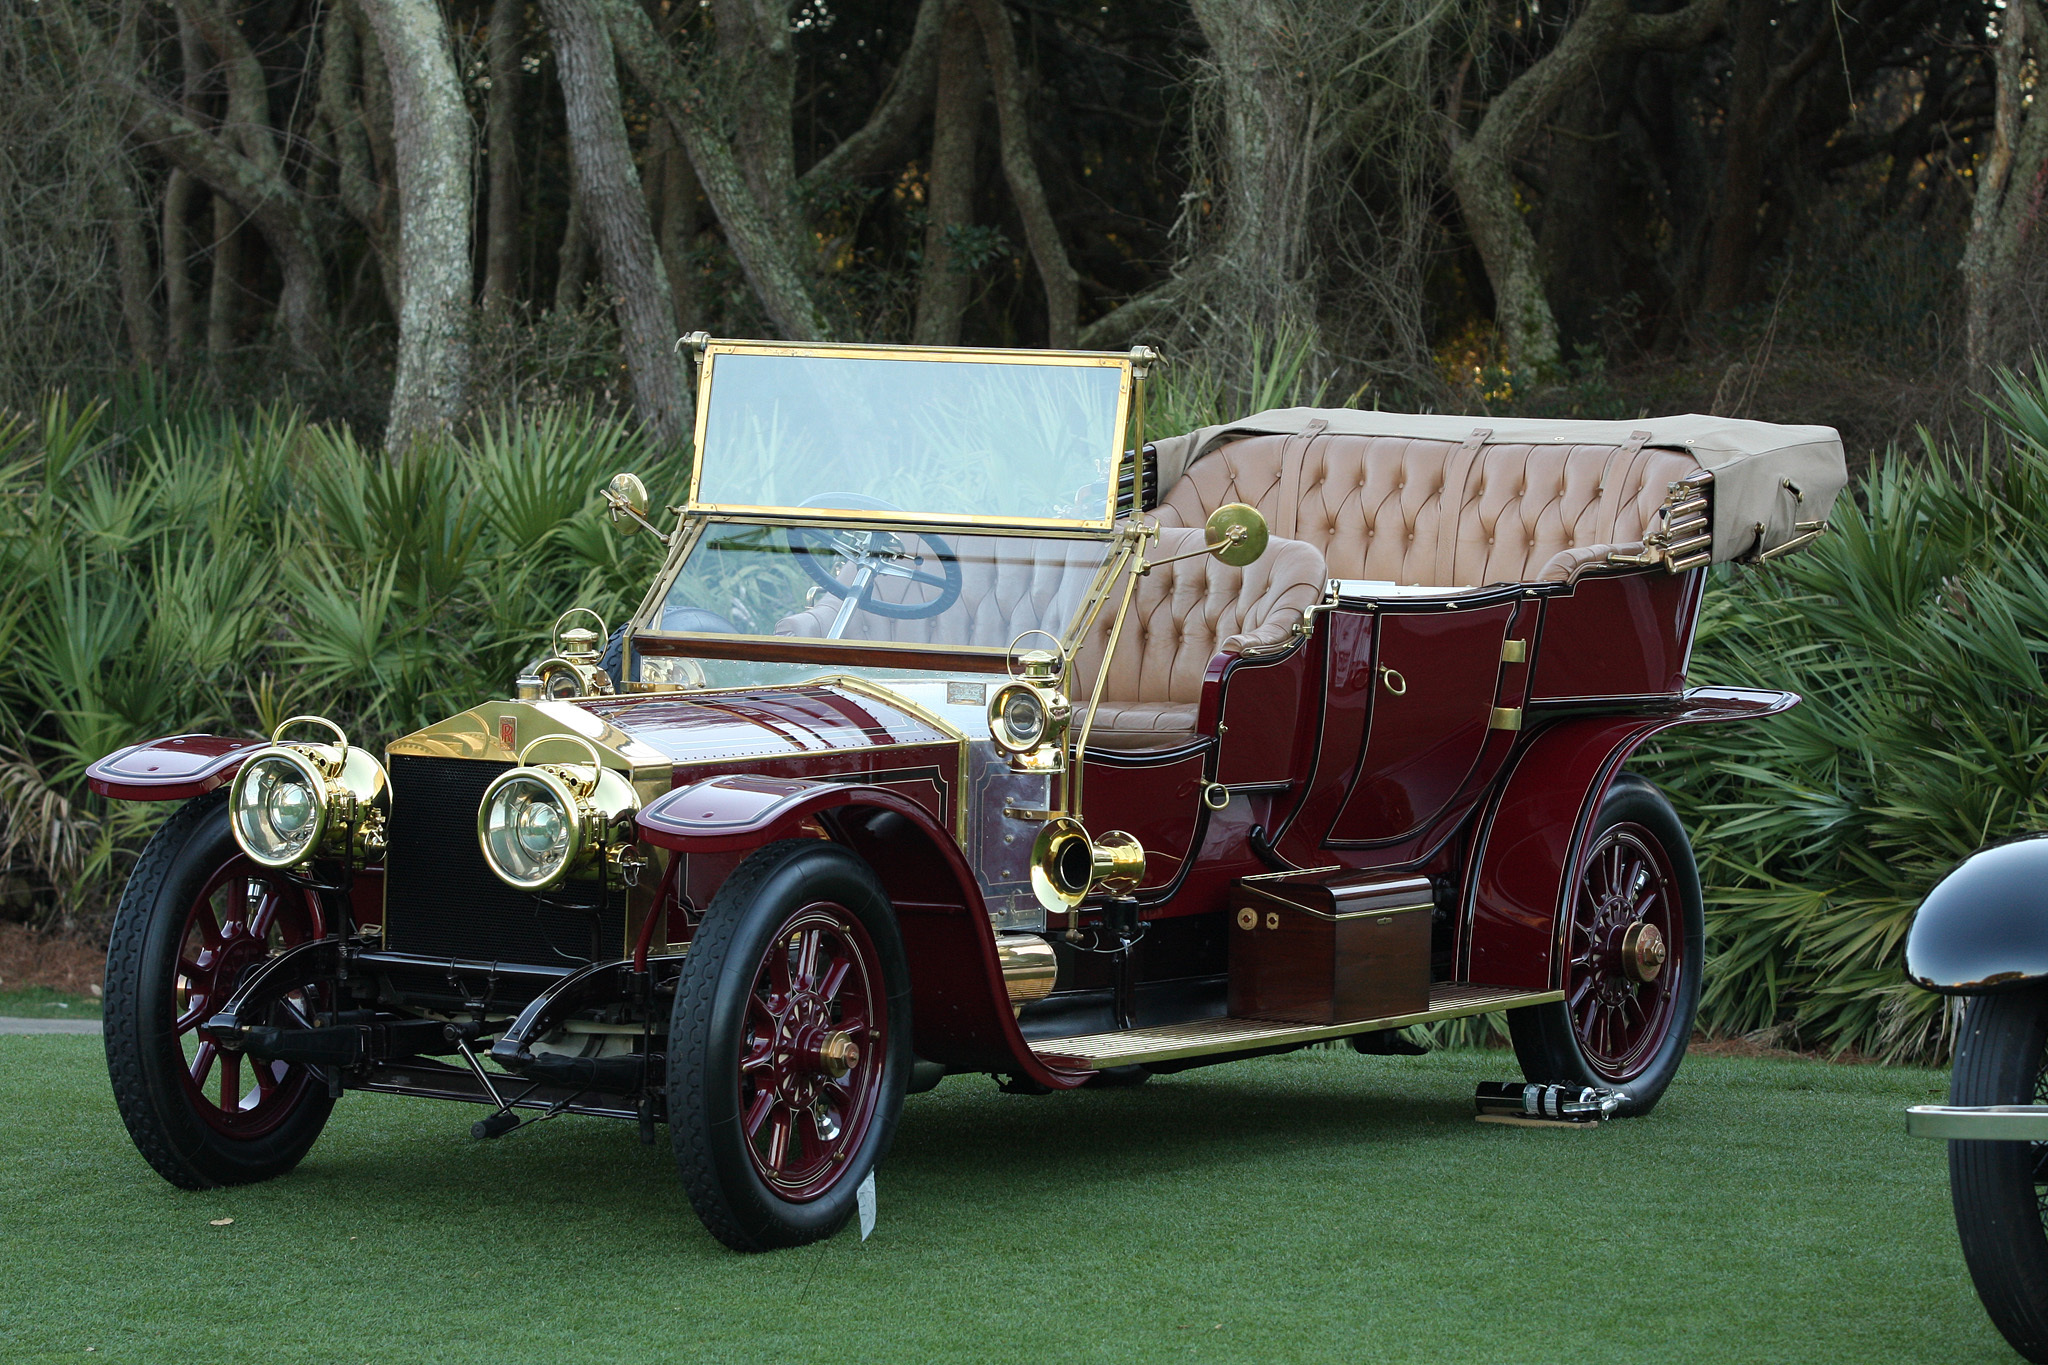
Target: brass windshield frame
[1129, 364]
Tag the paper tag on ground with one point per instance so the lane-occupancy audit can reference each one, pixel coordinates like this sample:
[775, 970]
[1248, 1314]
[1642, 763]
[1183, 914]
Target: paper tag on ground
[865, 1196]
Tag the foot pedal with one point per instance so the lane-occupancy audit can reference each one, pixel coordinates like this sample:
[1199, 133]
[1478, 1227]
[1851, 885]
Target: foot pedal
[1529, 1102]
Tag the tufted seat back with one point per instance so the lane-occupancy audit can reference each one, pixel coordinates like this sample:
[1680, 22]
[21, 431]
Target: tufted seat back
[1376, 505]
[1008, 585]
[1183, 615]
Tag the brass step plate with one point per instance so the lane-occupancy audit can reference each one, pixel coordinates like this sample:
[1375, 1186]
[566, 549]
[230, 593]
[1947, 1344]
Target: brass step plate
[1210, 1037]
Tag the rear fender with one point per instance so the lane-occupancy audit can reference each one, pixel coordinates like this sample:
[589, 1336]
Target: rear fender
[170, 769]
[1984, 927]
[960, 1007]
[1532, 835]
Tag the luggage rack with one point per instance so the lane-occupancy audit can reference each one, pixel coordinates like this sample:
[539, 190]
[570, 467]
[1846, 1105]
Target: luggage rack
[1208, 1037]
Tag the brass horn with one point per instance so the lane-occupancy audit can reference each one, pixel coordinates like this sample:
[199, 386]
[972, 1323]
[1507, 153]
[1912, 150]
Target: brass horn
[1066, 864]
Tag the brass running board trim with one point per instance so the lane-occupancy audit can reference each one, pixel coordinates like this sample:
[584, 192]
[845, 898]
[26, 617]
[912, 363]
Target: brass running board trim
[1210, 1037]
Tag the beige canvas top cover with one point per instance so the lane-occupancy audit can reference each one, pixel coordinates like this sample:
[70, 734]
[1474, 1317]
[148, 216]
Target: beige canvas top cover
[1750, 461]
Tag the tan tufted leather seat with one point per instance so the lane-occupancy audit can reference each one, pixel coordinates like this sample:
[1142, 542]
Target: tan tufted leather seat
[1375, 505]
[1184, 614]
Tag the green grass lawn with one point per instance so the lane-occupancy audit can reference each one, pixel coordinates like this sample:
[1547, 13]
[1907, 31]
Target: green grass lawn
[1319, 1206]
[40, 1002]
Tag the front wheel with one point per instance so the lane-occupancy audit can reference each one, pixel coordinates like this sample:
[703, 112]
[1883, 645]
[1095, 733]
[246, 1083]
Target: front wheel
[2001, 1188]
[196, 914]
[1632, 938]
[790, 1045]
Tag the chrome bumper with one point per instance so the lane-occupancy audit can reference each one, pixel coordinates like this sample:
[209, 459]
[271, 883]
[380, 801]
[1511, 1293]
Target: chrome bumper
[1988, 1123]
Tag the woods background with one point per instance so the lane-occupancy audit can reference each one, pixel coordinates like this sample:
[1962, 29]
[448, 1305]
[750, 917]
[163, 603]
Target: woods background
[407, 212]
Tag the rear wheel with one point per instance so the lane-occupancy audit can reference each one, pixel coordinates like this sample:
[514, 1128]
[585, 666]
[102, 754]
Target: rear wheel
[195, 915]
[1632, 939]
[790, 1045]
[2001, 1188]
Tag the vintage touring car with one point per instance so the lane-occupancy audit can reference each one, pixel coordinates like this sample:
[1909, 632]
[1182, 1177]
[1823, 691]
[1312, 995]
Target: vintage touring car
[963, 731]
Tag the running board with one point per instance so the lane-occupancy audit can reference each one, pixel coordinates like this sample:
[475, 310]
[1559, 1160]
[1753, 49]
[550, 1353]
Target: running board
[1209, 1037]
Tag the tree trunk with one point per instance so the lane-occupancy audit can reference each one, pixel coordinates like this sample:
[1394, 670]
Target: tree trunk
[224, 290]
[2007, 206]
[895, 119]
[944, 282]
[608, 189]
[1732, 245]
[432, 141]
[756, 88]
[181, 194]
[676, 223]
[244, 165]
[1576, 244]
[774, 269]
[177, 253]
[357, 183]
[132, 264]
[572, 261]
[1062, 287]
[1485, 189]
[1757, 95]
[501, 242]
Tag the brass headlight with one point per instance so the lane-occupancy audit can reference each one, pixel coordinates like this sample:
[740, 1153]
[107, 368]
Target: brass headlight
[291, 803]
[540, 825]
[1028, 716]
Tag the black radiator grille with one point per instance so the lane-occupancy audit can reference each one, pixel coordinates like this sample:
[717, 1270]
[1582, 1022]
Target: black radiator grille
[442, 900]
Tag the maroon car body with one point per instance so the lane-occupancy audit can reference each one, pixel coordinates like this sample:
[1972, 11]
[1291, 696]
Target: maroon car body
[1418, 701]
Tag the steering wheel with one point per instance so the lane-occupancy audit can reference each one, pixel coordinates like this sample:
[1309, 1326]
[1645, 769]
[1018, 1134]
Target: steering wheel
[826, 551]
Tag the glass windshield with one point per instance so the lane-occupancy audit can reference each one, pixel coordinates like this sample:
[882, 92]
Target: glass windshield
[905, 587]
[1019, 439]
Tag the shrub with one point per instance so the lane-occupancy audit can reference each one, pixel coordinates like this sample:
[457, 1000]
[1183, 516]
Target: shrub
[173, 570]
[1917, 632]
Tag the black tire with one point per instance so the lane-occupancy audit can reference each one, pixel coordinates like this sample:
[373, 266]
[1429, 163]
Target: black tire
[1569, 1041]
[2001, 1188]
[720, 1102]
[194, 1141]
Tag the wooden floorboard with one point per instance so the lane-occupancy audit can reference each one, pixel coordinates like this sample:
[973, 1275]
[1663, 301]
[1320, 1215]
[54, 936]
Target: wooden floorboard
[1208, 1037]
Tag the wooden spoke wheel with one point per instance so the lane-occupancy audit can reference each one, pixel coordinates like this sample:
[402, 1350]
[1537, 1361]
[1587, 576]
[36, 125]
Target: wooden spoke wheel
[197, 913]
[2000, 1189]
[789, 1048]
[1631, 937]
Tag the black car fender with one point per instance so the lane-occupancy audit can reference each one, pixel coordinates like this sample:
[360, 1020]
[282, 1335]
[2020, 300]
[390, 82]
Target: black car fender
[1984, 927]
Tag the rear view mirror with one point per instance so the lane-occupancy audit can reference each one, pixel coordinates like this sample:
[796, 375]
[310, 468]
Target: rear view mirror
[1236, 534]
[627, 498]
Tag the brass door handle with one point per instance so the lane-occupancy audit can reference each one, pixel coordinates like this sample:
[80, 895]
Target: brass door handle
[1393, 681]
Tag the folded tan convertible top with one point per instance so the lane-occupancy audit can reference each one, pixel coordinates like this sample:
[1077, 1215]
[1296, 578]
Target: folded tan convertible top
[1752, 462]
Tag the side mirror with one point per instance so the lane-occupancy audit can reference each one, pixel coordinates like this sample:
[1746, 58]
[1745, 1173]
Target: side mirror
[626, 498]
[1236, 534]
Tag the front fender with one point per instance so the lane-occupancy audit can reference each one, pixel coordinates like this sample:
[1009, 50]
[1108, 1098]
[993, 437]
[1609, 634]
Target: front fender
[1984, 927]
[170, 769]
[960, 1008]
[1532, 834]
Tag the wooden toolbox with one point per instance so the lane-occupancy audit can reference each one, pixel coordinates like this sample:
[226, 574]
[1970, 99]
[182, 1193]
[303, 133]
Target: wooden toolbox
[1329, 947]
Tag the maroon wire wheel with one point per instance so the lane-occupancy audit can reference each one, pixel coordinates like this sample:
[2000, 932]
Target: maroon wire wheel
[243, 914]
[789, 1045]
[196, 915]
[812, 1053]
[1625, 965]
[1630, 939]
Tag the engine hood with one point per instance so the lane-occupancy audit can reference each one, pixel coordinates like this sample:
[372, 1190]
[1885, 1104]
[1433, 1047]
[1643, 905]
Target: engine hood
[652, 734]
[782, 722]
